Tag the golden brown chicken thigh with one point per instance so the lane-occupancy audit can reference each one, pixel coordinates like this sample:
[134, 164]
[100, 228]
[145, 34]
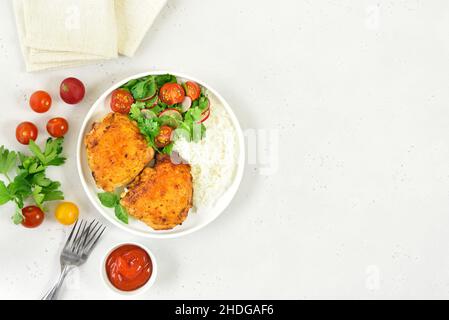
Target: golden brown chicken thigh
[117, 152]
[161, 196]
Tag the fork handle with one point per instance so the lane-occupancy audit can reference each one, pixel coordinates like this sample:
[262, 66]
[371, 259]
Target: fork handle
[53, 293]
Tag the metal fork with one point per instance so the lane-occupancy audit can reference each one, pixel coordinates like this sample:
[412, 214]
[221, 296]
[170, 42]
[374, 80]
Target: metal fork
[79, 245]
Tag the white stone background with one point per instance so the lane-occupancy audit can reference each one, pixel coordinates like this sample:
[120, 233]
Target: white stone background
[358, 204]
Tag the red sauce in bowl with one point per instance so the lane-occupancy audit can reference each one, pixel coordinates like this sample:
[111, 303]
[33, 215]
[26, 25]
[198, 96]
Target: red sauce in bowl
[129, 267]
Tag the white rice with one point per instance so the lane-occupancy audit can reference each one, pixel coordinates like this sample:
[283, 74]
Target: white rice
[213, 159]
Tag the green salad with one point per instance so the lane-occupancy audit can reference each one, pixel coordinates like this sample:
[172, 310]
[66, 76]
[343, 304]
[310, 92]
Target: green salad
[164, 109]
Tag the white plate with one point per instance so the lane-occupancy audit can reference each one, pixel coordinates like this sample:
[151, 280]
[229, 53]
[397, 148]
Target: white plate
[195, 221]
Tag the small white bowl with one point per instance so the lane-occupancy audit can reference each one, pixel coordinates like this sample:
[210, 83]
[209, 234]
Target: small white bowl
[142, 289]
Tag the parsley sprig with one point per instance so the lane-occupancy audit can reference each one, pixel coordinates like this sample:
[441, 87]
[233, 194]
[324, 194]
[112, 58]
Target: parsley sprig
[30, 180]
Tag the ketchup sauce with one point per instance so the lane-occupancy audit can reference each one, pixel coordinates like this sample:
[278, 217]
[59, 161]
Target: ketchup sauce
[129, 267]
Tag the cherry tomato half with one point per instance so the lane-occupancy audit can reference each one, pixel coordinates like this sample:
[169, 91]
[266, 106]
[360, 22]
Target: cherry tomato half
[40, 101]
[121, 101]
[72, 91]
[57, 127]
[32, 217]
[163, 139]
[25, 132]
[67, 213]
[193, 90]
[172, 93]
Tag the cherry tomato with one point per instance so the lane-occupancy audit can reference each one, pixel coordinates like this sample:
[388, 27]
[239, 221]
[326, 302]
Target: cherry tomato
[193, 90]
[57, 127]
[40, 101]
[121, 101]
[25, 132]
[67, 213]
[72, 91]
[172, 93]
[163, 139]
[32, 217]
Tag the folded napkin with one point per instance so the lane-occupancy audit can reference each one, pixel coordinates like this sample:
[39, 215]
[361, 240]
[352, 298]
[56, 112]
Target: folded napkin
[134, 18]
[67, 33]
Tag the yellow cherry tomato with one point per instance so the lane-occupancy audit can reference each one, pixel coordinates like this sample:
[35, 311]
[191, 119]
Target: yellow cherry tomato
[67, 213]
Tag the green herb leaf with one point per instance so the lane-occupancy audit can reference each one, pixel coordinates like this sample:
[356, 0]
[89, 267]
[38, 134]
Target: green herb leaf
[168, 149]
[144, 89]
[108, 199]
[8, 160]
[121, 214]
[165, 78]
[5, 196]
[38, 196]
[34, 148]
[41, 180]
[17, 218]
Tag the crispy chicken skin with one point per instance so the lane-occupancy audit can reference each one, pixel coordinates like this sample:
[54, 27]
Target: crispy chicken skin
[161, 196]
[117, 152]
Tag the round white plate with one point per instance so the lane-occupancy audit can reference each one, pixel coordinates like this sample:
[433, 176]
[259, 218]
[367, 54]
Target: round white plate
[196, 220]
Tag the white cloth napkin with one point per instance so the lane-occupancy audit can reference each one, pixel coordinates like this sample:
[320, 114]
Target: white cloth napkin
[67, 33]
[134, 18]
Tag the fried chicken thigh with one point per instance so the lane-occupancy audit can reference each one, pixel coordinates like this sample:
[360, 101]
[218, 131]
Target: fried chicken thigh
[161, 196]
[117, 152]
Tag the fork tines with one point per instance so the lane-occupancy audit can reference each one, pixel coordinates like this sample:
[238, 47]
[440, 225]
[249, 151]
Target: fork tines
[84, 236]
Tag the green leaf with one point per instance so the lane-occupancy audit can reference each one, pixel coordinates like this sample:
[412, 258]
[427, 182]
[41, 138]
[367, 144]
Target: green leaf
[168, 149]
[38, 196]
[130, 84]
[121, 214]
[135, 113]
[41, 180]
[203, 103]
[53, 196]
[50, 156]
[5, 196]
[17, 218]
[20, 186]
[34, 148]
[108, 199]
[8, 160]
[165, 78]
[145, 88]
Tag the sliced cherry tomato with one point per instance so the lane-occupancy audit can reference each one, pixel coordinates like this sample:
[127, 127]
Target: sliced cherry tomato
[193, 90]
[72, 91]
[121, 101]
[25, 132]
[32, 217]
[40, 101]
[57, 127]
[163, 139]
[67, 213]
[172, 93]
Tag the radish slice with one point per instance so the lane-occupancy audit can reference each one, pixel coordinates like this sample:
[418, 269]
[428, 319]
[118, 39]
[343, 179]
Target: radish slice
[148, 114]
[205, 115]
[155, 102]
[186, 104]
[147, 98]
[172, 113]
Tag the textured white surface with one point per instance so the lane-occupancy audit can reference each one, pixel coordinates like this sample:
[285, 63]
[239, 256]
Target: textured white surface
[359, 206]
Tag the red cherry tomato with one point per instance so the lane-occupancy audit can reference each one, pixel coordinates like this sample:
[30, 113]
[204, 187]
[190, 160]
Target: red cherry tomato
[40, 101]
[25, 132]
[163, 139]
[57, 127]
[193, 90]
[121, 101]
[72, 91]
[32, 217]
[172, 93]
